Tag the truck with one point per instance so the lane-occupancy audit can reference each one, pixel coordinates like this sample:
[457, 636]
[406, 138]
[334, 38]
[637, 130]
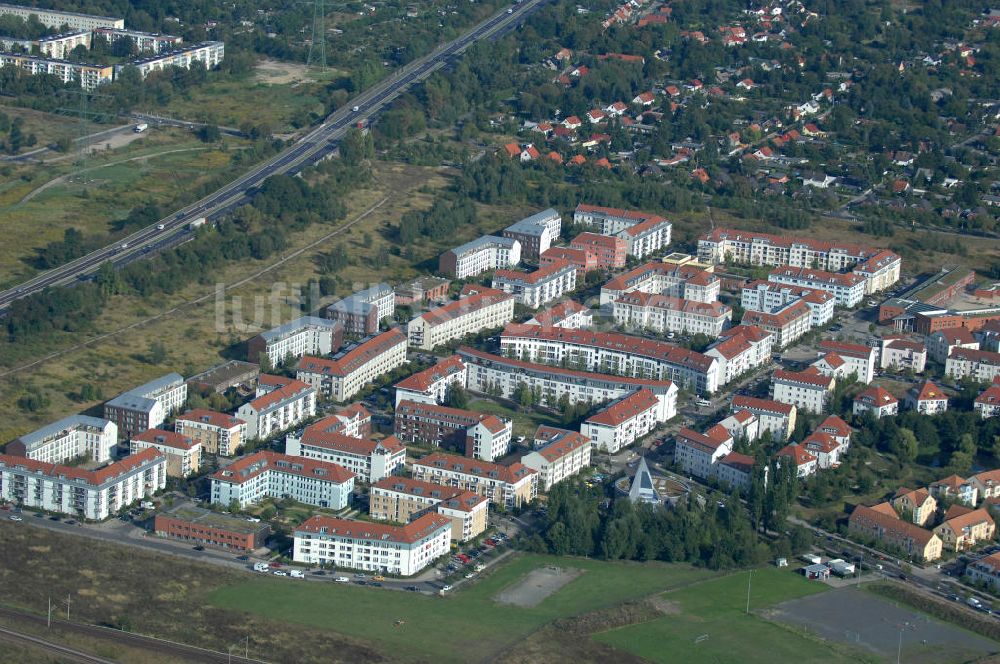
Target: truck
[974, 603]
[141, 127]
[200, 221]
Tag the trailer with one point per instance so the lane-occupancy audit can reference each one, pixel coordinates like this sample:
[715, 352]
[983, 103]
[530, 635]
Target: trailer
[841, 567]
[141, 127]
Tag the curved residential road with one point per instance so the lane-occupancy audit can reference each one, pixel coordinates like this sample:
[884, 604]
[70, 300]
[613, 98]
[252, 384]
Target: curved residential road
[316, 145]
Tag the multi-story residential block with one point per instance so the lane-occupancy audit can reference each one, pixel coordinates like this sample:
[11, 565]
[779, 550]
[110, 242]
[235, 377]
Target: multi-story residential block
[145, 42]
[609, 253]
[902, 354]
[534, 289]
[778, 418]
[88, 494]
[341, 378]
[69, 438]
[662, 313]
[957, 488]
[146, 406]
[856, 359]
[308, 335]
[271, 475]
[771, 297]
[741, 349]
[494, 374]
[788, 324]
[183, 454]
[278, 409]
[847, 289]
[218, 433]
[369, 459]
[563, 455]
[361, 312]
[583, 262]
[402, 499]
[880, 523]
[479, 309]
[941, 342]
[985, 571]
[612, 352]
[205, 55]
[469, 515]
[422, 289]
[987, 404]
[375, 547]
[742, 425]
[536, 233]
[58, 46]
[479, 435]
[979, 365]
[916, 505]
[623, 422]
[876, 400]
[966, 528]
[807, 390]
[228, 375]
[486, 253]
[51, 18]
[804, 461]
[838, 429]
[987, 484]
[928, 399]
[735, 470]
[190, 523]
[825, 448]
[431, 385]
[508, 486]
[684, 280]
[647, 237]
[568, 313]
[644, 233]
[697, 454]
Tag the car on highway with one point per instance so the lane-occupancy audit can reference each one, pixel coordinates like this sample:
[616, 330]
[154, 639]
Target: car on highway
[375, 584]
[160, 227]
[356, 109]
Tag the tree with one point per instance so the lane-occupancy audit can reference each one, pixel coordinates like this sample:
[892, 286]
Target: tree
[904, 445]
[456, 396]
[357, 146]
[157, 353]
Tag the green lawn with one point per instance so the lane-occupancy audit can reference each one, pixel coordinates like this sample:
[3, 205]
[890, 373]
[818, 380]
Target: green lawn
[525, 423]
[714, 613]
[468, 624]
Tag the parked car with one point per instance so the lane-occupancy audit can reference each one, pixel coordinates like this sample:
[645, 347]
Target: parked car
[447, 588]
[412, 589]
[378, 577]
[342, 579]
[375, 583]
[14, 517]
[199, 547]
[280, 572]
[297, 574]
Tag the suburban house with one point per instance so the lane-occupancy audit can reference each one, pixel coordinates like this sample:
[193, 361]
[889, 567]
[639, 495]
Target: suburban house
[956, 488]
[928, 399]
[876, 400]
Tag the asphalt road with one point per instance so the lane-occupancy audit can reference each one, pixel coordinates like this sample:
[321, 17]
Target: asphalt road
[316, 145]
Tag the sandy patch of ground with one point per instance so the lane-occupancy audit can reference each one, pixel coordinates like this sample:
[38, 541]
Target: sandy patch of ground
[536, 586]
[280, 73]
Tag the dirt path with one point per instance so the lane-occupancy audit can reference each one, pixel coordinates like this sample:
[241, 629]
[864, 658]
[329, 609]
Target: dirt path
[204, 298]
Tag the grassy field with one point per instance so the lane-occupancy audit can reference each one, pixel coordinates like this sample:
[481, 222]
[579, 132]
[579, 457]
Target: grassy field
[50, 127]
[524, 423]
[467, 625]
[709, 624]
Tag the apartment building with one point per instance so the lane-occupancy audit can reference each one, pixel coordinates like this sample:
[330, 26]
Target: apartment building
[807, 390]
[469, 515]
[646, 238]
[928, 399]
[431, 385]
[205, 55]
[578, 258]
[987, 404]
[278, 409]
[51, 18]
[742, 425]
[774, 416]
[508, 486]
[479, 435]
[848, 289]
[622, 422]
[957, 488]
[880, 523]
[69, 438]
[941, 342]
[662, 313]
[535, 233]
[481, 255]
[189, 523]
[902, 354]
[825, 448]
[568, 313]
[741, 349]
[771, 297]
[876, 400]
[370, 459]
[916, 505]
[987, 484]
[494, 374]
[479, 309]
[980, 365]
[308, 335]
[787, 325]
[87, 494]
[361, 312]
[612, 352]
[696, 454]
[562, 456]
[344, 376]
[146, 406]
[645, 233]
[372, 547]
[802, 459]
[59, 46]
[735, 471]
[985, 571]
[271, 475]
[145, 42]
[964, 528]
[538, 288]
[855, 359]
[225, 376]
[183, 454]
[217, 433]
[402, 499]
[423, 289]
[609, 253]
[683, 280]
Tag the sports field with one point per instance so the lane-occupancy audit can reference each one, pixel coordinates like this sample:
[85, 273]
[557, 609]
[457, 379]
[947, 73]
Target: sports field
[708, 623]
[469, 624]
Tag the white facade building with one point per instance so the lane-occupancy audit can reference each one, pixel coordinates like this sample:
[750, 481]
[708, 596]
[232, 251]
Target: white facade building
[565, 456]
[269, 474]
[147, 406]
[807, 390]
[206, 55]
[51, 18]
[486, 253]
[278, 410]
[980, 365]
[534, 289]
[308, 335]
[623, 422]
[479, 309]
[431, 385]
[697, 454]
[371, 460]
[662, 313]
[343, 377]
[847, 289]
[68, 438]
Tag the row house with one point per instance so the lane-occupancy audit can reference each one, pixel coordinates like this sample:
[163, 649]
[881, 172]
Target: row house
[362, 312]
[690, 282]
[217, 433]
[479, 309]
[267, 474]
[568, 313]
[369, 459]
[402, 499]
[776, 417]
[66, 439]
[479, 435]
[480, 255]
[623, 422]
[881, 524]
[507, 486]
[808, 390]
[308, 335]
[341, 378]
[563, 454]
[432, 384]
[182, 453]
[787, 325]
[663, 313]
[848, 289]
[979, 365]
[278, 409]
[148, 405]
[535, 289]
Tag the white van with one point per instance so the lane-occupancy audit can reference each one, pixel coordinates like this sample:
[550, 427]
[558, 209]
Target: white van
[704, 402]
[297, 574]
[260, 567]
[342, 579]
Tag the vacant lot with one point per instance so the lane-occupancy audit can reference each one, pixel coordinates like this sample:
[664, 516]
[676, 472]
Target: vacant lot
[468, 625]
[709, 624]
[536, 586]
[853, 616]
[50, 127]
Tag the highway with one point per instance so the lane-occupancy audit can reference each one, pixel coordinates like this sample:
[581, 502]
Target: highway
[316, 145]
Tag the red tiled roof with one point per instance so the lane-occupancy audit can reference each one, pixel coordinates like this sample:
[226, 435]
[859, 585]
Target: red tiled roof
[731, 347]
[416, 530]
[242, 470]
[930, 392]
[563, 445]
[833, 360]
[211, 417]
[294, 388]
[739, 461]
[466, 501]
[990, 396]
[559, 312]
[731, 234]
[165, 438]
[544, 272]
[751, 333]
[356, 357]
[92, 477]
[806, 377]
[972, 518]
[956, 335]
[847, 350]
[691, 438]
[835, 424]
[876, 396]
[456, 416]
[511, 474]
[798, 453]
[972, 355]
[412, 487]
[655, 300]
[324, 436]
[595, 240]
[766, 405]
[423, 380]
[484, 298]
[625, 408]
[786, 316]
[834, 278]
[889, 521]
